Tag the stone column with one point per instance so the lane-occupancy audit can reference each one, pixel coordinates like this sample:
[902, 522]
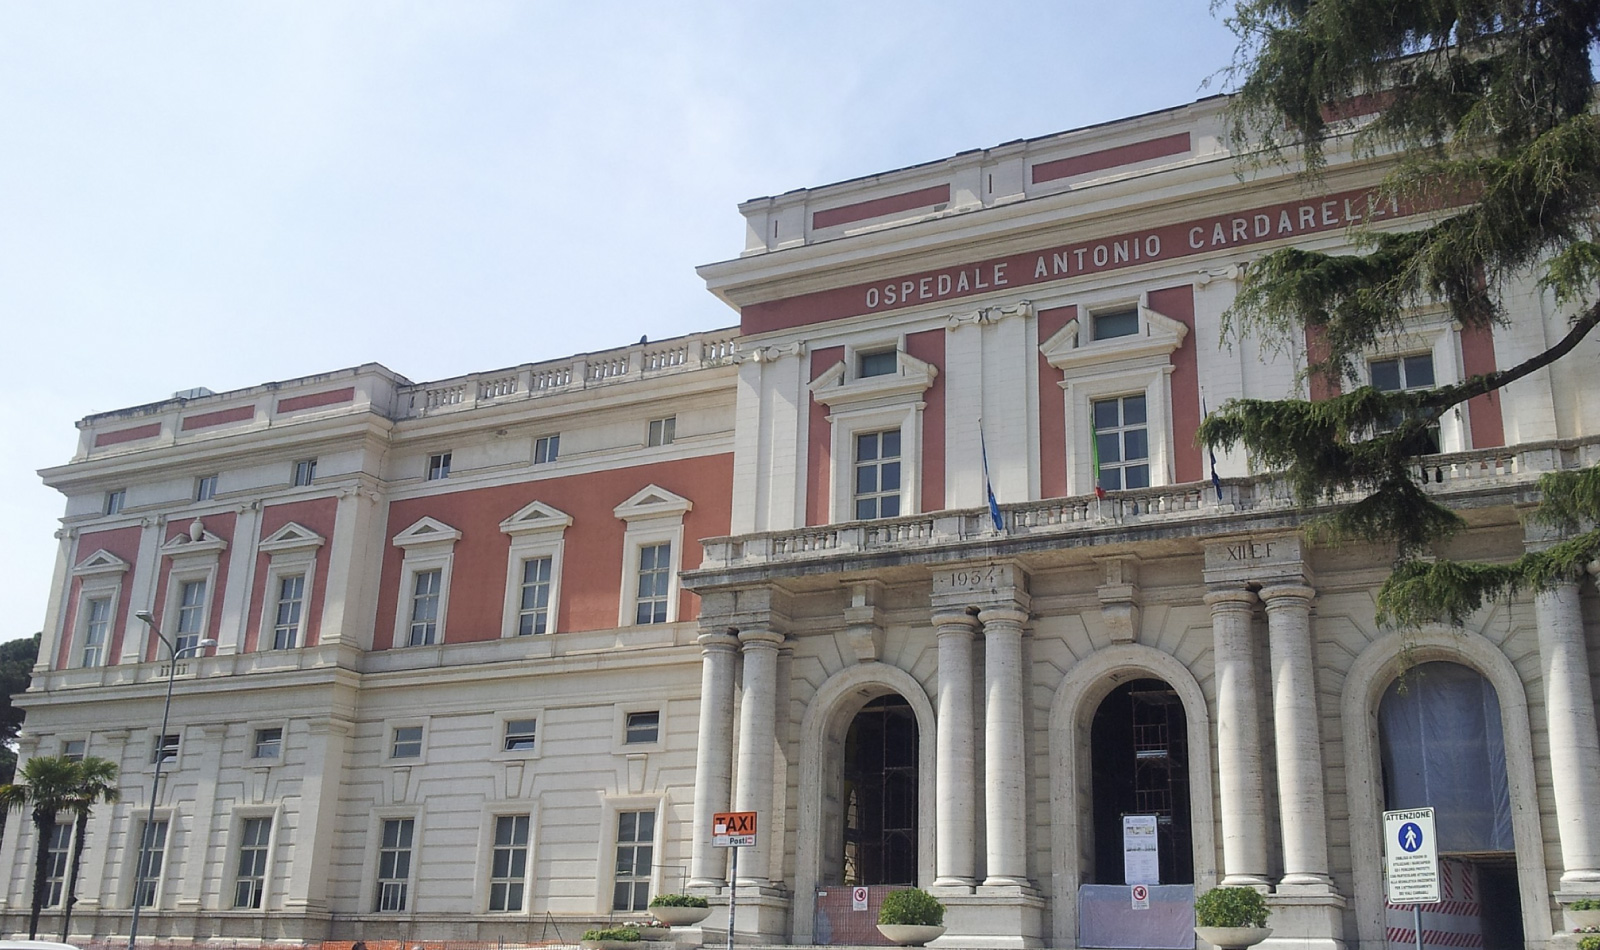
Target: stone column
[713, 773]
[757, 734]
[311, 851]
[955, 806]
[1004, 758]
[1302, 808]
[1243, 799]
[1574, 743]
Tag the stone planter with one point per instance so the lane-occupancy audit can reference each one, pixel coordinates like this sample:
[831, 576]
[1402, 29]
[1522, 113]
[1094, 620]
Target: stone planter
[1233, 938]
[910, 935]
[680, 916]
[654, 933]
[1584, 918]
[609, 944]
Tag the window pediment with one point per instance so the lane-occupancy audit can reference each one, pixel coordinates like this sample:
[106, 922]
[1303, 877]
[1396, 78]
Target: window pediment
[424, 532]
[835, 389]
[536, 517]
[1070, 348]
[653, 501]
[291, 537]
[99, 563]
[195, 542]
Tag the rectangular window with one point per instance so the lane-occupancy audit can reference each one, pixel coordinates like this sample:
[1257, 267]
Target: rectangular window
[1115, 323]
[205, 488]
[407, 743]
[269, 743]
[520, 734]
[438, 466]
[877, 475]
[153, 852]
[1121, 443]
[655, 573]
[546, 448]
[191, 613]
[1406, 374]
[166, 748]
[115, 500]
[251, 881]
[55, 869]
[533, 612]
[636, 831]
[425, 608]
[73, 749]
[663, 431]
[286, 621]
[95, 628]
[394, 864]
[643, 727]
[508, 870]
[882, 363]
[305, 471]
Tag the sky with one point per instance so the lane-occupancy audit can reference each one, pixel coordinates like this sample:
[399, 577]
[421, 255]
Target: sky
[221, 194]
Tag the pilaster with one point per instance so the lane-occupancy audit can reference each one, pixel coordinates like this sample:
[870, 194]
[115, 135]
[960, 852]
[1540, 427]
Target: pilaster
[1574, 742]
[713, 775]
[955, 807]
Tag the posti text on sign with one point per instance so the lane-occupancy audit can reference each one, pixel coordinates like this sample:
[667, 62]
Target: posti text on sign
[733, 829]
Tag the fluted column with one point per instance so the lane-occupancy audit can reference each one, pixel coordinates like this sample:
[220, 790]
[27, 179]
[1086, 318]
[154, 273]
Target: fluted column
[1574, 743]
[757, 733]
[1302, 808]
[713, 771]
[955, 805]
[1004, 760]
[1243, 798]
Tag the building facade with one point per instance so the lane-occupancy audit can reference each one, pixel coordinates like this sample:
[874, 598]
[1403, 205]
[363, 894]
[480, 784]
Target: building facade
[490, 652]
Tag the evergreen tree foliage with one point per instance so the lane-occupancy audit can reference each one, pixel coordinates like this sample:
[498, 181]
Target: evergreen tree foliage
[16, 669]
[1482, 112]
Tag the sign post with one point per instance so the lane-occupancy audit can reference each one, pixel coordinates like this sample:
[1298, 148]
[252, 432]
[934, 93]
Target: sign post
[1411, 861]
[733, 829]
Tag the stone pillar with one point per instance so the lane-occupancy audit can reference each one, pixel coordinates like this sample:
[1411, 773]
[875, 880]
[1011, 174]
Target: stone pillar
[1243, 799]
[1004, 756]
[1574, 742]
[310, 867]
[713, 774]
[1302, 808]
[757, 735]
[955, 806]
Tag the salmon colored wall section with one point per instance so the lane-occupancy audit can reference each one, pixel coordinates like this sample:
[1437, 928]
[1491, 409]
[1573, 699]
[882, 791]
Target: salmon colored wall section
[1178, 303]
[220, 417]
[1477, 358]
[928, 346]
[819, 460]
[1112, 157]
[220, 524]
[317, 515]
[591, 570]
[1321, 385]
[124, 543]
[127, 435]
[862, 210]
[1052, 409]
[330, 398]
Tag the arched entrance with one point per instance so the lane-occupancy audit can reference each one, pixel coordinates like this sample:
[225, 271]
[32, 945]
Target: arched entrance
[1140, 755]
[879, 792]
[1441, 744]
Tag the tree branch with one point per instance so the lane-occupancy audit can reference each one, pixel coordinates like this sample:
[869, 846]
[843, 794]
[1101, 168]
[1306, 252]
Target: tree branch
[1443, 399]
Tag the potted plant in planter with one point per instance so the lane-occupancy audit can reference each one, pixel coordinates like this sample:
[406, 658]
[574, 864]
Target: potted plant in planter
[911, 917]
[1585, 912]
[679, 910]
[610, 938]
[1231, 917]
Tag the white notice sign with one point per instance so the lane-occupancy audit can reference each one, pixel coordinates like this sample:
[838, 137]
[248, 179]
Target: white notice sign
[1410, 856]
[1140, 860]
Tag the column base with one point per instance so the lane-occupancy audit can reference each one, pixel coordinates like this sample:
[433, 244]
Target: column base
[952, 886]
[998, 919]
[1305, 885]
[1260, 882]
[762, 917]
[1305, 921]
[1582, 882]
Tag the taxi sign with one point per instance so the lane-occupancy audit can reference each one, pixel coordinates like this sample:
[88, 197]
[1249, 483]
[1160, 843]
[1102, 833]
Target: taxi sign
[1411, 856]
[733, 829]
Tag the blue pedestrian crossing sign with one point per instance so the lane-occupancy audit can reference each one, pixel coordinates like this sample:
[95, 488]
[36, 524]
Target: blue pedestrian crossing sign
[1410, 857]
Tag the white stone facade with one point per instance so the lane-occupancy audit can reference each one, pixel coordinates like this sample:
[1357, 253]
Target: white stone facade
[555, 617]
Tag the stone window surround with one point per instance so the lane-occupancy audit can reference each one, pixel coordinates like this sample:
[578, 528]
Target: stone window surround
[873, 404]
[1439, 336]
[236, 827]
[610, 807]
[493, 811]
[367, 898]
[536, 530]
[429, 545]
[653, 515]
[99, 576]
[290, 550]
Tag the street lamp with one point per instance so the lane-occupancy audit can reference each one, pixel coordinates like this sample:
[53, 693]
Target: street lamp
[161, 756]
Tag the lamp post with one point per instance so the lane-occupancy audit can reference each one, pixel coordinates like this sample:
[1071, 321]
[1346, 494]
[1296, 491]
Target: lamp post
[161, 756]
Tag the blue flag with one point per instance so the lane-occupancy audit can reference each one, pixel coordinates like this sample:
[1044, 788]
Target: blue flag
[988, 487]
[1215, 481]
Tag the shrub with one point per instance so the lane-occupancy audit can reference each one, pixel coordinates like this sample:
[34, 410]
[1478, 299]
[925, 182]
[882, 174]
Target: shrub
[1232, 907]
[612, 933]
[678, 900]
[1591, 942]
[1585, 903]
[911, 906]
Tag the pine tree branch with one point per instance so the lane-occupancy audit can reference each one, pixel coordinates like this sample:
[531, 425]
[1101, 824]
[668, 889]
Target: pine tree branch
[1443, 398]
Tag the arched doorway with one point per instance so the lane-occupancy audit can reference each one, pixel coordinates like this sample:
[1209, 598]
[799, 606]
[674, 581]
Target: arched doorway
[1441, 745]
[1140, 759]
[879, 794]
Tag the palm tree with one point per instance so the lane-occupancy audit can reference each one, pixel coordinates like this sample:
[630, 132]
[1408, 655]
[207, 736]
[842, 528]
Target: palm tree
[96, 782]
[48, 786]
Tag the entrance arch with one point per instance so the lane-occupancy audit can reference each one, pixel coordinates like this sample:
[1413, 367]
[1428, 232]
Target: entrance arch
[1080, 694]
[1364, 686]
[823, 733]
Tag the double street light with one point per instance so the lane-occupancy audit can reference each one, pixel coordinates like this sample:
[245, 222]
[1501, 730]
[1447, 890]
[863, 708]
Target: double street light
[142, 867]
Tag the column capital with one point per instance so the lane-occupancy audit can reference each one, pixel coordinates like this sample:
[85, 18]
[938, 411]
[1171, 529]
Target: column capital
[955, 621]
[1226, 596]
[760, 639]
[1285, 594]
[1003, 615]
[717, 641]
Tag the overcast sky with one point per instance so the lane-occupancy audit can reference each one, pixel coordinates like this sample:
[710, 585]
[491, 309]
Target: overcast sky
[221, 194]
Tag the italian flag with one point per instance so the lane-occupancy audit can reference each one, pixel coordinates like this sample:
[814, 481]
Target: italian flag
[1094, 450]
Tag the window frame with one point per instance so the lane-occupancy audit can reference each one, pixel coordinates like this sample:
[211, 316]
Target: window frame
[536, 530]
[860, 405]
[257, 760]
[115, 501]
[205, 487]
[877, 465]
[56, 880]
[487, 847]
[190, 561]
[506, 735]
[654, 516]
[1121, 464]
[236, 843]
[438, 466]
[159, 747]
[547, 449]
[619, 727]
[303, 473]
[99, 577]
[368, 897]
[429, 545]
[1437, 335]
[392, 741]
[134, 879]
[612, 807]
[661, 431]
[291, 549]
[64, 744]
